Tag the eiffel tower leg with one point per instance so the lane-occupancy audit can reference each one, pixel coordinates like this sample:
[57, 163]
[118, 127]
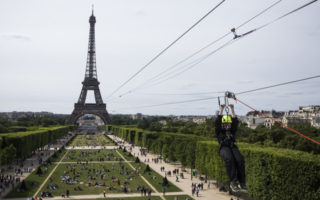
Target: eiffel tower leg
[97, 96]
[83, 95]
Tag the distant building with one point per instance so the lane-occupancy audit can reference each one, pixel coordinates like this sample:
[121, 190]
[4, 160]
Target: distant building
[163, 122]
[137, 116]
[201, 120]
[306, 115]
[254, 119]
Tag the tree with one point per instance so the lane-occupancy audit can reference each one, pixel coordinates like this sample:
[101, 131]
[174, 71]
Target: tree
[155, 126]
[8, 154]
[12, 151]
[144, 124]
[165, 182]
[147, 169]
[3, 129]
[39, 171]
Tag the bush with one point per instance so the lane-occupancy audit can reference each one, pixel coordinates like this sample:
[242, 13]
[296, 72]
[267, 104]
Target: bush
[165, 182]
[147, 169]
[39, 171]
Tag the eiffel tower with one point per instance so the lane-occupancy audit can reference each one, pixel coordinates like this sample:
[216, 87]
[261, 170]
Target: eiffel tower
[90, 83]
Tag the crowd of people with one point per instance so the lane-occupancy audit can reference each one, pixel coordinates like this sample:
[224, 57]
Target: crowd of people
[90, 155]
[7, 182]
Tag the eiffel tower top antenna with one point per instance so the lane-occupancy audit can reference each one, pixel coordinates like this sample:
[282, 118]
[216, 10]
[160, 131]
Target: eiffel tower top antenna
[92, 8]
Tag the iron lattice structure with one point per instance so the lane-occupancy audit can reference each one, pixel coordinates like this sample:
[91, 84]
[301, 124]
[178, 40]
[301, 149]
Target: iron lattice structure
[90, 83]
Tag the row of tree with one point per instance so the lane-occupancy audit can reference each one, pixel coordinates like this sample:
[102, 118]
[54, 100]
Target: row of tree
[277, 136]
[21, 145]
[23, 123]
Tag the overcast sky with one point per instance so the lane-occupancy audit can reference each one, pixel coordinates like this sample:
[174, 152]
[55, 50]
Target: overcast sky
[43, 50]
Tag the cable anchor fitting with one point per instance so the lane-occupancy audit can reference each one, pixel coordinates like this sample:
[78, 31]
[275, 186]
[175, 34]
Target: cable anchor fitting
[230, 94]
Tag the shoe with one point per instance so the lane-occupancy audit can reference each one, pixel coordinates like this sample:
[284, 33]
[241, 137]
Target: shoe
[234, 187]
[242, 187]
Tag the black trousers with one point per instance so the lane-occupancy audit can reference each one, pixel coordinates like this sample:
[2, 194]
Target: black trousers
[234, 163]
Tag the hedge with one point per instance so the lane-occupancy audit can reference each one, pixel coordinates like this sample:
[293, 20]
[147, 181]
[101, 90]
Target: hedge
[174, 146]
[271, 173]
[26, 142]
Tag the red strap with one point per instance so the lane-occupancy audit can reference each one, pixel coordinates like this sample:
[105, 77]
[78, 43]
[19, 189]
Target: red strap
[291, 129]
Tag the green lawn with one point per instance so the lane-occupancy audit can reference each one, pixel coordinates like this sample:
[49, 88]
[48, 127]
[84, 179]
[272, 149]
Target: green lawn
[92, 155]
[132, 198]
[90, 174]
[127, 155]
[180, 197]
[33, 181]
[154, 178]
[91, 140]
[56, 157]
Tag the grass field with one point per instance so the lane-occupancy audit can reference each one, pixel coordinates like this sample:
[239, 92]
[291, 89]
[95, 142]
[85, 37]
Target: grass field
[91, 155]
[127, 155]
[180, 197]
[132, 198]
[91, 140]
[154, 178]
[89, 179]
[58, 155]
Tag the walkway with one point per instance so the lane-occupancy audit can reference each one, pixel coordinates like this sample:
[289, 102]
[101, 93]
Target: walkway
[107, 196]
[92, 147]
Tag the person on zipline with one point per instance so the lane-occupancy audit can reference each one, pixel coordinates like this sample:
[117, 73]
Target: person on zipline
[226, 128]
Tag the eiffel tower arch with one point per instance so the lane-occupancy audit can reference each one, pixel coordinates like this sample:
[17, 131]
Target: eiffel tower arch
[90, 83]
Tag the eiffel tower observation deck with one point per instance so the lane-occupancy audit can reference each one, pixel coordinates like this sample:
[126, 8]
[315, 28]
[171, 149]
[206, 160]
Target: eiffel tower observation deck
[90, 82]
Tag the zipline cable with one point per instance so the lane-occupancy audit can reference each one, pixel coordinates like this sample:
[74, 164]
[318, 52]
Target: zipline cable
[200, 50]
[183, 94]
[198, 61]
[190, 65]
[266, 116]
[231, 41]
[280, 84]
[171, 44]
[216, 97]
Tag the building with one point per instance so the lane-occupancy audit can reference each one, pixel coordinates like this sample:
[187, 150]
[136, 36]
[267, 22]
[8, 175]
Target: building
[306, 115]
[254, 119]
[137, 116]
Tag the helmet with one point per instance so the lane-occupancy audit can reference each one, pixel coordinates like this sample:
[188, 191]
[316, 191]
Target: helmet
[226, 119]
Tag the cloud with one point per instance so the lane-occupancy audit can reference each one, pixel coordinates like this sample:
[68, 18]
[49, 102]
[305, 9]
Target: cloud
[187, 86]
[315, 32]
[16, 36]
[244, 82]
[295, 93]
[140, 13]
